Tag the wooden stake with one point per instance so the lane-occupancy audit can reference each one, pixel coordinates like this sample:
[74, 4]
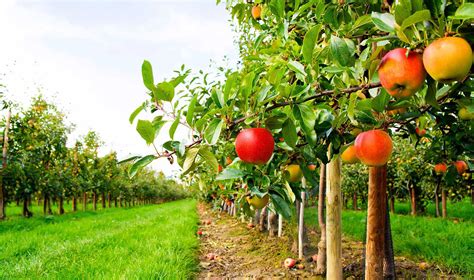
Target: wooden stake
[333, 219]
[301, 227]
[376, 215]
[280, 225]
[321, 264]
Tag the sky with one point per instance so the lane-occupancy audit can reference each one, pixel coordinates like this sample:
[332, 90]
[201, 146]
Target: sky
[86, 55]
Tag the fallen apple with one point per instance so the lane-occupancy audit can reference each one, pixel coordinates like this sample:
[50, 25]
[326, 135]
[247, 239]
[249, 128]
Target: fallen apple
[289, 263]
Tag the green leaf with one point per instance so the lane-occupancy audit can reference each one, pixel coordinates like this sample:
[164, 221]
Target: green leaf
[465, 11]
[140, 164]
[297, 67]
[351, 107]
[175, 146]
[190, 113]
[343, 50]
[146, 130]
[174, 125]
[281, 206]
[164, 91]
[361, 21]
[289, 133]
[307, 118]
[417, 17]
[402, 10]
[384, 21]
[213, 131]
[190, 159]
[230, 173]
[309, 42]
[277, 7]
[380, 101]
[128, 159]
[209, 158]
[147, 74]
[430, 97]
[247, 84]
[135, 113]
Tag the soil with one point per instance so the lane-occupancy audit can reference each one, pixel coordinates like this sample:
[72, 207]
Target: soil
[231, 250]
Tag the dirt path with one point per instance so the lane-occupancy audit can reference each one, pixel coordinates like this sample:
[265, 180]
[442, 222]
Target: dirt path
[230, 250]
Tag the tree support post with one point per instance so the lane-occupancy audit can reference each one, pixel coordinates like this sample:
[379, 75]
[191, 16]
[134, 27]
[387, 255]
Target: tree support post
[376, 219]
[333, 219]
[301, 222]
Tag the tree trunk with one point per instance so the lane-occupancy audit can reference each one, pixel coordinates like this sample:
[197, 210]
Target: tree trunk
[273, 222]
[45, 204]
[26, 212]
[94, 201]
[61, 205]
[392, 204]
[472, 195]
[413, 200]
[333, 219]
[74, 203]
[436, 195]
[109, 199]
[354, 201]
[84, 201]
[115, 202]
[321, 264]
[103, 200]
[50, 212]
[376, 216]
[4, 165]
[443, 203]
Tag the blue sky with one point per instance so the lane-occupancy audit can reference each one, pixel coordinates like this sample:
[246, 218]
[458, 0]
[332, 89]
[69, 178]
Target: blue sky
[86, 55]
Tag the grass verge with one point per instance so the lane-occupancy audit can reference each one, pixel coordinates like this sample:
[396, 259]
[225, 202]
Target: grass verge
[444, 242]
[156, 241]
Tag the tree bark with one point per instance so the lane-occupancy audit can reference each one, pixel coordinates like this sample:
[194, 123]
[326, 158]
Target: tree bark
[413, 200]
[45, 204]
[94, 201]
[321, 264]
[443, 203]
[84, 201]
[333, 220]
[61, 205]
[436, 195]
[376, 216]
[115, 202]
[109, 199]
[74, 203]
[354, 201]
[103, 200]
[26, 212]
[388, 260]
[4, 166]
[273, 222]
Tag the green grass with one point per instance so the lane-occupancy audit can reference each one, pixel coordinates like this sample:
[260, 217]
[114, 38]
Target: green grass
[146, 242]
[435, 240]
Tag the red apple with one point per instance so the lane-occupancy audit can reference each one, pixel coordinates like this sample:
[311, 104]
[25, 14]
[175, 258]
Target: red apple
[312, 167]
[257, 12]
[289, 263]
[461, 166]
[402, 75]
[199, 232]
[440, 168]
[219, 168]
[373, 147]
[420, 132]
[254, 145]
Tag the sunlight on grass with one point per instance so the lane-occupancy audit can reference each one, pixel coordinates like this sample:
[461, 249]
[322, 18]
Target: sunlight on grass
[145, 242]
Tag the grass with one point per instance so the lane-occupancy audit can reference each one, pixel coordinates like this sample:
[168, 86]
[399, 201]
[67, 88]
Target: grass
[444, 242]
[146, 242]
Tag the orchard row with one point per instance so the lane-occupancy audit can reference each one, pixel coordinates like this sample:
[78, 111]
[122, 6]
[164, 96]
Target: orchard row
[38, 166]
